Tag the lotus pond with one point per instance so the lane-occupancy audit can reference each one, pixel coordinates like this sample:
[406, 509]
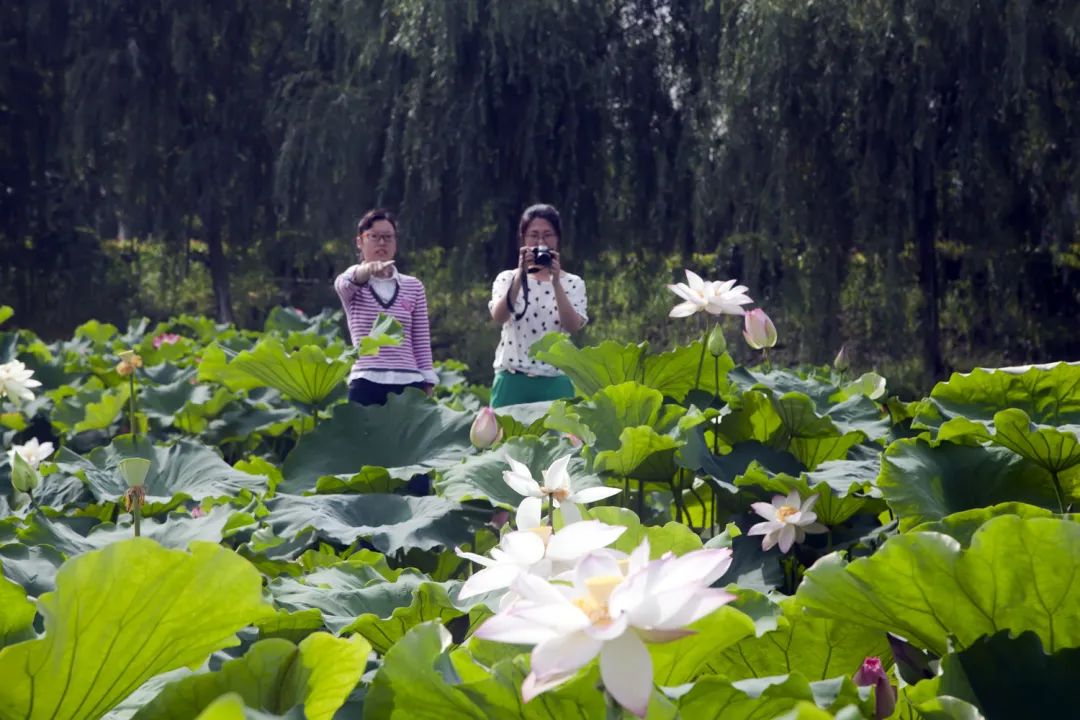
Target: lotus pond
[687, 538]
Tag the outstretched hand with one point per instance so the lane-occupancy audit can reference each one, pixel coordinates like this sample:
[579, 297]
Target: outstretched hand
[366, 270]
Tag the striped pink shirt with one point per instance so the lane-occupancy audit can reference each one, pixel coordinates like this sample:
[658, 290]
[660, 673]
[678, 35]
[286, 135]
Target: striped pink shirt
[408, 306]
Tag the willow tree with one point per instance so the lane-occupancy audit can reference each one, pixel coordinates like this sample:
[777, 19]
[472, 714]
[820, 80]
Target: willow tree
[929, 133]
[169, 110]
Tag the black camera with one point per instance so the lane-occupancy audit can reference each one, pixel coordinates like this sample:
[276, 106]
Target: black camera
[542, 256]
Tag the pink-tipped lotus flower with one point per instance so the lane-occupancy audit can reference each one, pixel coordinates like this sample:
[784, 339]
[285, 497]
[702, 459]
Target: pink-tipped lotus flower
[758, 329]
[485, 430]
[165, 339]
[609, 614]
[556, 486]
[787, 520]
[713, 297]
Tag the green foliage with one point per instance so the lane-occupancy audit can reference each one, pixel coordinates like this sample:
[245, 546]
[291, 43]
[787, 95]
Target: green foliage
[121, 615]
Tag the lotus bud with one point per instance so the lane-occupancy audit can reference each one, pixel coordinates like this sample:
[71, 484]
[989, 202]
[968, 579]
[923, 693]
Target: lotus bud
[758, 329]
[485, 430]
[841, 361]
[24, 477]
[124, 368]
[134, 470]
[717, 343]
[872, 673]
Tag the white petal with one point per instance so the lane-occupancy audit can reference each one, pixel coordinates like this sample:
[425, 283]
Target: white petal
[787, 537]
[576, 540]
[523, 547]
[538, 591]
[496, 577]
[683, 290]
[697, 606]
[805, 518]
[765, 510]
[533, 686]
[556, 477]
[769, 541]
[626, 669]
[816, 528]
[764, 528]
[685, 309]
[663, 636]
[564, 654]
[508, 628]
[810, 502]
[608, 630]
[639, 558]
[592, 494]
[570, 512]
[521, 480]
[478, 559]
[793, 499]
[528, 513]
[694, 281]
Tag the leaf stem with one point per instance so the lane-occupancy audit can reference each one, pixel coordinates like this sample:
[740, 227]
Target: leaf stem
[701, 359]
[131, 408]
[1059, 491]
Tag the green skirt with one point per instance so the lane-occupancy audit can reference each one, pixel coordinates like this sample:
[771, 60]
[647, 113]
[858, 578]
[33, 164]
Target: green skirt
[515, 388]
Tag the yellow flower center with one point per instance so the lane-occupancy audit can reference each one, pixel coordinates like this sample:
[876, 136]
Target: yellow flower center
[544, 531]
[785, 511]
[595, 603]
[560, 494]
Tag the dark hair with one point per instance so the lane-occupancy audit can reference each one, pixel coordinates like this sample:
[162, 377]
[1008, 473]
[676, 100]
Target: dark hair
[373, 216]
[542, 212]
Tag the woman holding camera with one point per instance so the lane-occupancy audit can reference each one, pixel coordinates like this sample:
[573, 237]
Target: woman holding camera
[375, 286]
[530, 301]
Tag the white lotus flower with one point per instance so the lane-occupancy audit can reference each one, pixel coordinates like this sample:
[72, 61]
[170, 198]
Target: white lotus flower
[609, 614]
[32, 452]
[556, 486]
[15, 382]
[535, 550]
[787, 520]
[714, 297]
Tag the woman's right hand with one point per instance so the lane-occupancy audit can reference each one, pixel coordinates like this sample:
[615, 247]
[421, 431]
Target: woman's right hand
[526, 259]
[365, 270]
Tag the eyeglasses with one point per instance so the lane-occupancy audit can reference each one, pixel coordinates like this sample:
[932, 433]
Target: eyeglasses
[537, 237]
[384, 239]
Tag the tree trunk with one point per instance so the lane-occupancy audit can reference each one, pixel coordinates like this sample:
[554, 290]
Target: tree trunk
[219, 270]
[926, 226]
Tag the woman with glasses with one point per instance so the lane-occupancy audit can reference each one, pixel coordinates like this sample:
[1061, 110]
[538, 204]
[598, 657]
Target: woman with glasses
[533, 299]
[375, 286]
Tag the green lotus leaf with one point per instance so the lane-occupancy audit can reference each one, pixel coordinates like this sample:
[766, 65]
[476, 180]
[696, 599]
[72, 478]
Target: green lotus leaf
[171, 395]
[480, 477]
[391, 523]
[100, 414]
[121, 615]
[1049, 395]
[306, 375]
[32, 568]
[820, 648]
[99, 333]
[186, 469]
[6, 312]
[592, 368]
[1018, 574]
[274, 676]
[715, 697]
[74, 536]
[16, 613]
[1012, 677]
[923, 482]
[674, 373]
[643, 454]
[214, 367]
[673, 537]
[408, 436]
[411, 684]
[962, 526]
[685, 660]
[1054, 449]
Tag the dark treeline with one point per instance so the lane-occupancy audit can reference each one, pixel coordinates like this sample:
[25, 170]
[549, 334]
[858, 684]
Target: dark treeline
[900, 175]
